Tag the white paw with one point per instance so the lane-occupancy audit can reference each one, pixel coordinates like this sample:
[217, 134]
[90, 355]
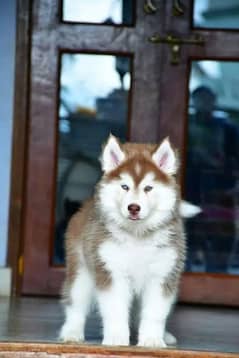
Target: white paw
[151, 341]
[116, 339]
[170, 339]
[71, 335]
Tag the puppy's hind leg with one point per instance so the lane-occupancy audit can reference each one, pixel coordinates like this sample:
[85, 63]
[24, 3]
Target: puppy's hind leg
[80, 297]
[169, 339]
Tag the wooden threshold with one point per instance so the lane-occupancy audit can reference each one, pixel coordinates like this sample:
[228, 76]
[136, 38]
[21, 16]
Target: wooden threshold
[15, 349]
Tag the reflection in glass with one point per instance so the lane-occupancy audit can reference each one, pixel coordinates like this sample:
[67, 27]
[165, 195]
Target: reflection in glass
[218, 14]
[95, 11]
[93, 102]
[212, 167]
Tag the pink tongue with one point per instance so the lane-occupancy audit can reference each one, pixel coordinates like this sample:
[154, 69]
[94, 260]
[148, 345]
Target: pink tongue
[134, 216]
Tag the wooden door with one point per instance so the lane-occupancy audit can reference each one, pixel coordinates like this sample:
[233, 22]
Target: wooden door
[157, 106]
[58, 43]
[199, 109]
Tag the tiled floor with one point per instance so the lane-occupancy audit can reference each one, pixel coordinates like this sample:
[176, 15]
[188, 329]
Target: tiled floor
[196, 327]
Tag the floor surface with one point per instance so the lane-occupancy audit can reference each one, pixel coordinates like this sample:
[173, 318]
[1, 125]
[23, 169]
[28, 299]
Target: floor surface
[196, 327]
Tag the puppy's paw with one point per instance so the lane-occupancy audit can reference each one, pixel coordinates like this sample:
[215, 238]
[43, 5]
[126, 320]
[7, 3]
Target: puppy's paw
[70, 335]
[170, 339]
[152, 341]
[116, 339]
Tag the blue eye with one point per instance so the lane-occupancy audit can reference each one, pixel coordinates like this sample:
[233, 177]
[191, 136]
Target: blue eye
[125, 187]
[148, 188]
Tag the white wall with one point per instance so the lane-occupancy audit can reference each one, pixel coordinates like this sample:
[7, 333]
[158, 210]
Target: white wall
[7, 58]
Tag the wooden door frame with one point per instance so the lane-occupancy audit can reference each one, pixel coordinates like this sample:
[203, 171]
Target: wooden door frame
[208, 288]
[19, 141]
[18, 175]
[49, 37]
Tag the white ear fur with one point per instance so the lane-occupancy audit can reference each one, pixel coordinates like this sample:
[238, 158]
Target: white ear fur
[165, 158]
[112, 155]
[188, 210]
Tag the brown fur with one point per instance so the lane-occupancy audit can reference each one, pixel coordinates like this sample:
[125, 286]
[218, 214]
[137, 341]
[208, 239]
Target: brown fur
[87, 228]
[138, 153]
[145, 166]
[177, 240]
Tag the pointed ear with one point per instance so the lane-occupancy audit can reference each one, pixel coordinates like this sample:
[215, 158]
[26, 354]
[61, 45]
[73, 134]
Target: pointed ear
[112, 154]
[165, 158]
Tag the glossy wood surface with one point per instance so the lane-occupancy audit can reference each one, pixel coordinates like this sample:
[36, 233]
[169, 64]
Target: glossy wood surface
[210, 288]
[49, 39]
[158, 108]
[21, 106]
[41, 350]
[219, 45]
[38, 320]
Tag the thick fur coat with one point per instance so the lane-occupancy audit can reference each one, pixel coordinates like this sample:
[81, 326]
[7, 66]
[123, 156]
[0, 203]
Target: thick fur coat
[126, 242]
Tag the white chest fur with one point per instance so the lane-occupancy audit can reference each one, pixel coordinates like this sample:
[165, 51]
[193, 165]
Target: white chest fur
[138, 259]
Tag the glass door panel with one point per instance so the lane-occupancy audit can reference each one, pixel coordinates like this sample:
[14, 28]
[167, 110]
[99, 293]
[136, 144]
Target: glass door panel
[107, 12]
[212, 167]
[216, 14]
[94, 96]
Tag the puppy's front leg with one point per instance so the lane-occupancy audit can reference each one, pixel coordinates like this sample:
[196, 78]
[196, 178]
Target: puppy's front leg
[154, 312]
[114, 303]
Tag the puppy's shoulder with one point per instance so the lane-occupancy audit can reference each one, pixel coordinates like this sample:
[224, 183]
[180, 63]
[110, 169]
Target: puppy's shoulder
[79, 220]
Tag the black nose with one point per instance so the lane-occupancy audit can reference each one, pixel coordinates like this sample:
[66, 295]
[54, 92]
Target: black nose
[134, 208]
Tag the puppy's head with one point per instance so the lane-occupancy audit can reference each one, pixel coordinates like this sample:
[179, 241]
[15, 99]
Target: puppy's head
[138, 186]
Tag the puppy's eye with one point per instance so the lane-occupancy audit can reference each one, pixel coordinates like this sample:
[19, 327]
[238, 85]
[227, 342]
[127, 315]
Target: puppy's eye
[148, 188]
[125, 187]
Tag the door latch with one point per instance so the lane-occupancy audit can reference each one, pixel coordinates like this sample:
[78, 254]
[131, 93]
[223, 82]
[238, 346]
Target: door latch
[175, 44]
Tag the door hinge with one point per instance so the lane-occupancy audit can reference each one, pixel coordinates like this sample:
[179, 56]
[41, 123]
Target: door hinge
[20, 265]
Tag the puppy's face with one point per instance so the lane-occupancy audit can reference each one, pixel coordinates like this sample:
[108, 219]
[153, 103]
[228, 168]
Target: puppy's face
[138, 188]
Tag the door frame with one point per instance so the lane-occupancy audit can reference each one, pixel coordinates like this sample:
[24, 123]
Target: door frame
[195, 287]
[19, 142]
[208, 288]
[64, 37]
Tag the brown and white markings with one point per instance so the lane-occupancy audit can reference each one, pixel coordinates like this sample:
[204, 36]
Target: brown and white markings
[126, 242]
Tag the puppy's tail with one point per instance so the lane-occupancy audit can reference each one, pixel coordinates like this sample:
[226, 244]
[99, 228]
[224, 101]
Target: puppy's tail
[188, 210]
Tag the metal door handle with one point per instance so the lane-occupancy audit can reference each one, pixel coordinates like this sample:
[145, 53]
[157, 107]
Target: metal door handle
[177, 8]
[149, 7]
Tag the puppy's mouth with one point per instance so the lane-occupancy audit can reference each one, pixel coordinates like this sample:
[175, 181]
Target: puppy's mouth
[134, 217]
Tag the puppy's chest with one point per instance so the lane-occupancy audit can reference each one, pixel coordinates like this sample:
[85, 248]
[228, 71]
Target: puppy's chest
[137, 260]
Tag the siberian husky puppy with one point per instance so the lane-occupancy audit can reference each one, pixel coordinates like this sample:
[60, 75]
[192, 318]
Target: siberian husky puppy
[128, 241]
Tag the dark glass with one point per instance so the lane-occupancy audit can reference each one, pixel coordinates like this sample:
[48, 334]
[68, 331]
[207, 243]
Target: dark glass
[93, 103]
[212, 167]
[110, 12]
[218, 14]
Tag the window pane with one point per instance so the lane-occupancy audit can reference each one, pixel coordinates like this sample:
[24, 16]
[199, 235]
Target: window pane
[212, 166]
[217, 14]
[93, 103]
[95, 11]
